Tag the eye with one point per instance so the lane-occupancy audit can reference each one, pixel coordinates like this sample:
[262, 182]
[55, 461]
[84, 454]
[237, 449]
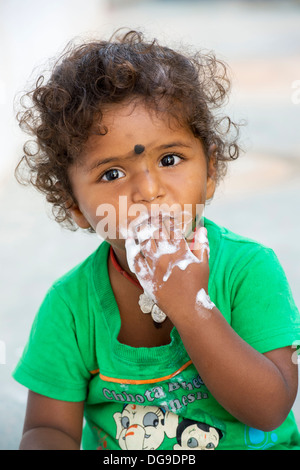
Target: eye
[210, 445]
[170, 160]
[150, 419]
[125, 422]
[112, 175]
[192, 443]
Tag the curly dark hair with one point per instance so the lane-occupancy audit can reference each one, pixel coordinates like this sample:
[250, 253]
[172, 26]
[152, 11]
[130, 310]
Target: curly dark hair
[63, 109]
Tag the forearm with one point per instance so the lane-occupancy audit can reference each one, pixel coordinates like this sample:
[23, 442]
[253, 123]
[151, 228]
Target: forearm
[43, 438]
[257, 389]
[246, 383]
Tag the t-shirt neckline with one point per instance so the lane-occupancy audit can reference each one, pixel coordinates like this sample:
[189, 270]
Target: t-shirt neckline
[112, 318]
[173, 351]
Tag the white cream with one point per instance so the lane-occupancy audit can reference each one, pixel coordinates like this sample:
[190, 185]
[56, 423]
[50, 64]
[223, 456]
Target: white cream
[201, 242]
[182, 264]
[132, 250]
[141, 231]
[166, 248]
[145, 233]
[203, 299]
[201, 235]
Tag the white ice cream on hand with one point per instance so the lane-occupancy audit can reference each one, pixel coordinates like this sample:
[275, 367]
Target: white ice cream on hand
[141, 231]
[182, 263]
[203, 299]
[201, 241]
[132, 250]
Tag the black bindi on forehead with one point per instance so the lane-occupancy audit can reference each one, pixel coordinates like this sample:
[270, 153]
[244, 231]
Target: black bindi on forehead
[139, 149]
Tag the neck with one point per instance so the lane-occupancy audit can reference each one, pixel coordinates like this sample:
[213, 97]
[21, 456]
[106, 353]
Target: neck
[121, 260]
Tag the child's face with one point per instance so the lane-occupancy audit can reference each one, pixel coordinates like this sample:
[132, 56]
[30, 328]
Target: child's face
[144, 160]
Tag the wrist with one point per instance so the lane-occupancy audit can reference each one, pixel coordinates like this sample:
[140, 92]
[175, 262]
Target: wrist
[182, 311]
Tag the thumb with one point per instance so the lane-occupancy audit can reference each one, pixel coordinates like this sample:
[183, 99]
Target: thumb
[200, 245]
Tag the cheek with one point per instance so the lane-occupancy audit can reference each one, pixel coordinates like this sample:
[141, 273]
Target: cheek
[106, 221]
[112, 221]
[98, 212]
[194, 191]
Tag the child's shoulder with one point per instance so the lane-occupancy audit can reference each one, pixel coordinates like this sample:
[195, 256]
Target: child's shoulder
[224, 233]
[242, 260]
[234, 246]
[80, 278]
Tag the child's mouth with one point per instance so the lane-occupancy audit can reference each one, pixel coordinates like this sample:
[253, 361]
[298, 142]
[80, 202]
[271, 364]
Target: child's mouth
[151, 225]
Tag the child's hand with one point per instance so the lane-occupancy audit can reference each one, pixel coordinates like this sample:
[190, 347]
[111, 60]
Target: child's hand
[170, 272]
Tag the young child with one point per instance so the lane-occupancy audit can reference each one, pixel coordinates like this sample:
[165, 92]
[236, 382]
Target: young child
[175, 333]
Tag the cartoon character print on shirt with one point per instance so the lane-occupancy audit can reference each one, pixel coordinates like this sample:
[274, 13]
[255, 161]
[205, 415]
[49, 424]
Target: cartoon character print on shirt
[192, 435]
[145, 428]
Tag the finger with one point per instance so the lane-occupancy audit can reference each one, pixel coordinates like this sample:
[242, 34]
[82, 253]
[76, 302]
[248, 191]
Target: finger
[168, 242]
[200, 246]
[159, 228]
[167, 224]
[177, 228]
[142, 233]
[142, 269]
[143, 230]
[135, 223]
[136, 261]
[144, 275]
[172, 226]
[145, 234]
[187, 225]
[132, 251]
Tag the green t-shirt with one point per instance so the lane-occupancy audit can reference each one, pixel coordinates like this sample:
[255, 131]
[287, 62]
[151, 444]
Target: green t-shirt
[154, 398]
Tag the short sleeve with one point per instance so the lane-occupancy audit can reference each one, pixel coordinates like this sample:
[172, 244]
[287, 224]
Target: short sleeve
[52, 364]
[264, 313]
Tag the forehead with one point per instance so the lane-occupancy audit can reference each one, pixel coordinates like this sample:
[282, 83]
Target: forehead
[137, 113]
[135, 126]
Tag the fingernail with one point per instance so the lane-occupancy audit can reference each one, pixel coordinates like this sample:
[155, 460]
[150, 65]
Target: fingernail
[201, 235]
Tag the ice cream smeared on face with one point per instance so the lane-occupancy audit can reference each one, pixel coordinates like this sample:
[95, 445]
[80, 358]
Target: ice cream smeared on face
[143, 240]
[133, 249]
[143, 235]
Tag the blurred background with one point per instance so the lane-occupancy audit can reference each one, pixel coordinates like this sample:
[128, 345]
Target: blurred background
[260, 197]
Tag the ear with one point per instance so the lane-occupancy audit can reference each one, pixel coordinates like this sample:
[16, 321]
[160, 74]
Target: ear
[117, 417]
[78, 216]
[171, 423]
[72, 207]
[211, 172]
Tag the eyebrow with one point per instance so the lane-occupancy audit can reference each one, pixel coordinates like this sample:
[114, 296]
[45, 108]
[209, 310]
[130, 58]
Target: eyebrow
[132, 155]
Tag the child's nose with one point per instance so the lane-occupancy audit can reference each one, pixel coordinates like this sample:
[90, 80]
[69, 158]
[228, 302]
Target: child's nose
[146, 187]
